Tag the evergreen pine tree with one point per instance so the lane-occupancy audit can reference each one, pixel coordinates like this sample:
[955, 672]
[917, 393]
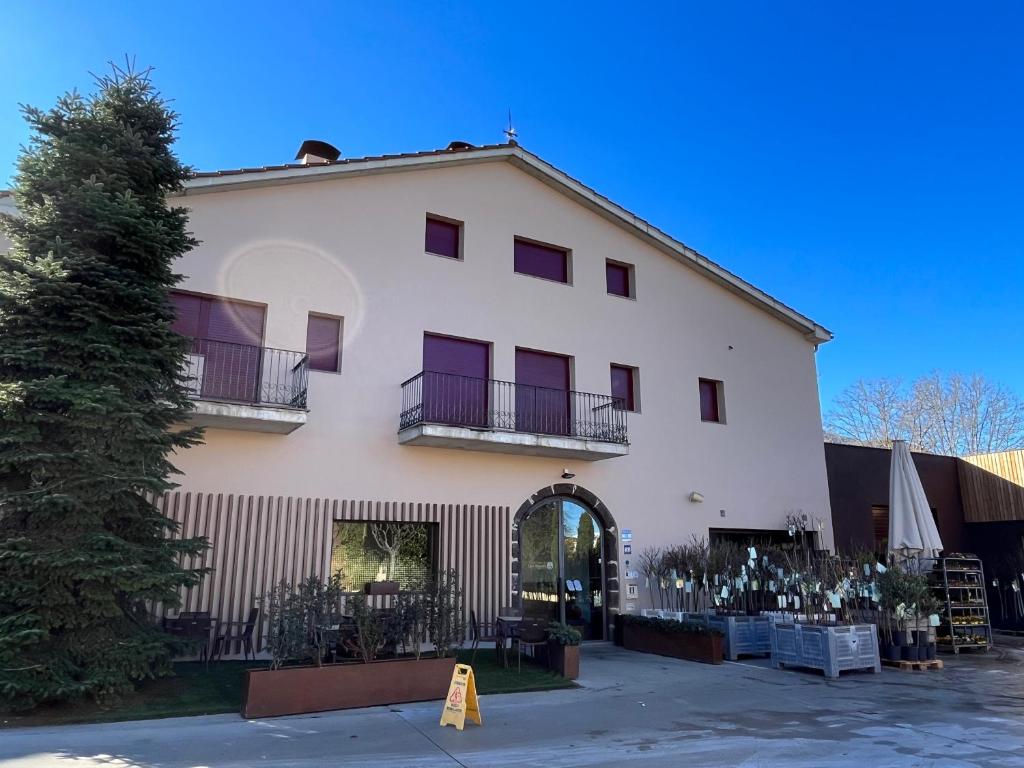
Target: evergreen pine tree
[89, 397]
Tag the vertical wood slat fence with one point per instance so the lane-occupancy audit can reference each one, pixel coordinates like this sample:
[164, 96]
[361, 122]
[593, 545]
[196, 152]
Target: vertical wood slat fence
[256, 541]
[992, 486]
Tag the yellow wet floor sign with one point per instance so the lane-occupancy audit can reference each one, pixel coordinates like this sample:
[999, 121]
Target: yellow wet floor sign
[461, 702]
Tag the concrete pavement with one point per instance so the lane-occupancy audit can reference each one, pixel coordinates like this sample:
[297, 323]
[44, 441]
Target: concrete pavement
[632, 709]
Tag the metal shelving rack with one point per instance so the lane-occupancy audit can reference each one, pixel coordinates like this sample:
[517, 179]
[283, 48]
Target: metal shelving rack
[960, 582]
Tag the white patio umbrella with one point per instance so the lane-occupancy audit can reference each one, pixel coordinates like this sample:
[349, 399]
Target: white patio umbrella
[912, 531]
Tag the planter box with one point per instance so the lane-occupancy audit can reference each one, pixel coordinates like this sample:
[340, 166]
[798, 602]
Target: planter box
[298, 690]
[744, 635]
[830, 649]
[705, 648]
[564, 659]
[381, 588]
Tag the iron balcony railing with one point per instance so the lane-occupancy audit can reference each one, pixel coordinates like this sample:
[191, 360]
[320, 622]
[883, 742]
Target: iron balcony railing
[465, 401]
[245, 373]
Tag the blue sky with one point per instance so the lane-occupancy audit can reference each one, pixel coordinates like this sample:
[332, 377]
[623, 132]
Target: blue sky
[863, 163]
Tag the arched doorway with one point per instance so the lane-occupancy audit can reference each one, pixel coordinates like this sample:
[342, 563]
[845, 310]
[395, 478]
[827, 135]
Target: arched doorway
[566, 569]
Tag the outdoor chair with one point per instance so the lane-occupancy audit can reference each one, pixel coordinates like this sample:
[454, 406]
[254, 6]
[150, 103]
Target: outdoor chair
[531, 634]
[237, 631]
[486, 633]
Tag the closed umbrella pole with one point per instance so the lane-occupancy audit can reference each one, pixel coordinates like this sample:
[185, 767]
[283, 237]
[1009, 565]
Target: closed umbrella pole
[912, 530]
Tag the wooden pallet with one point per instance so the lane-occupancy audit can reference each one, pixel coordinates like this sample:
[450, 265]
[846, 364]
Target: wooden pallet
[909, 666]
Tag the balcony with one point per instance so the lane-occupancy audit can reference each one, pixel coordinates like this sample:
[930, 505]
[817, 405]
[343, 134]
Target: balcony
[241, 386]
[446, 410]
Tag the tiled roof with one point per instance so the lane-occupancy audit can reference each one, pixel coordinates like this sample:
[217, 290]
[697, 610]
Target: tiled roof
[346, 161]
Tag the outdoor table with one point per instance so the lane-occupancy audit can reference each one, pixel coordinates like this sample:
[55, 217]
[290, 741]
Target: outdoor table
[507, 626]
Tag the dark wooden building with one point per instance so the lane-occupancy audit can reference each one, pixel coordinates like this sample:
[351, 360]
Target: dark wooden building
[978, 504]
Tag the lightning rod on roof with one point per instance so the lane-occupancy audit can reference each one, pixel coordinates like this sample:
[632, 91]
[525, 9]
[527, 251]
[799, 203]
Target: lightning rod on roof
[510, 132]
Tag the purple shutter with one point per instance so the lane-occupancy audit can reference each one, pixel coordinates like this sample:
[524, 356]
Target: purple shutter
[442, 238]
[455, 380]
[323, 341]
[189, 315]
[622, 386]
[541, 261]
[227, 345]
[617, 278]
[542, 392]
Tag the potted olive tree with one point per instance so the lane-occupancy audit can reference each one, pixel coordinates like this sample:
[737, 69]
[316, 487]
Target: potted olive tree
[390, 665]
[564, 649]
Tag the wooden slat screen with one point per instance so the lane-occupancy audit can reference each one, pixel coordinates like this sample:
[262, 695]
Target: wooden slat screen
[992, 486]
[256, 541]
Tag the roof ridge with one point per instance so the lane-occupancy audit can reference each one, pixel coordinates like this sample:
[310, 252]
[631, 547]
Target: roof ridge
[348, 160]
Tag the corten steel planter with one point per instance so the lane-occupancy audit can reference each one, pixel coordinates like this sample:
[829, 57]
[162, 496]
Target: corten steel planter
[381, 588]
[704, 647]
[565, 659]
[298, 690]
[832, 649]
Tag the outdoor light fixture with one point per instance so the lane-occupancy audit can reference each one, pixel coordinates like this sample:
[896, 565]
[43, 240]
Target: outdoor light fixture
[696, 497]
[567, 475]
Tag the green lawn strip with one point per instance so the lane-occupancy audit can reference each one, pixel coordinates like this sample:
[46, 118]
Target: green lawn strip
[200, 690]
[493, 678]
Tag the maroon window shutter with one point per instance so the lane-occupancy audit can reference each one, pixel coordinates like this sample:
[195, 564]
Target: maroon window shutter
[622, 386]
[708, 400]
[235, 322]
[189, 314]
[617, 277]
[442, 238]
[323, 343]
[542, 393]
[443, 354]
[455, 380]
[542, 261]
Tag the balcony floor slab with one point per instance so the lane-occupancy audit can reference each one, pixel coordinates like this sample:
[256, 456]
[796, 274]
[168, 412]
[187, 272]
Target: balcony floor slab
[501, 441]
[248, 418]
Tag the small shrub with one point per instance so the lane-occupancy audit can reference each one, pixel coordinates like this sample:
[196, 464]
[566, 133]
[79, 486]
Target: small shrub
[563, 634]
[669, 626]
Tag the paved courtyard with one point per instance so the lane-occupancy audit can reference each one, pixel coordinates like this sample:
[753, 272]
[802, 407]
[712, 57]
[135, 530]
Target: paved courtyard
[631, 709]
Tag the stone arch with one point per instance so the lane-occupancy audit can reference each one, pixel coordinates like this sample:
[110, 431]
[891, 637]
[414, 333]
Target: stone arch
[610, 539]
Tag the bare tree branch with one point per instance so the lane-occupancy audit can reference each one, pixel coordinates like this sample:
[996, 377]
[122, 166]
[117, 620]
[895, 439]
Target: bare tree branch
[949, 414]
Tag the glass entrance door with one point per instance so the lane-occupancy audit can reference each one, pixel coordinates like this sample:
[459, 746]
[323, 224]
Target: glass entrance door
[562, 570]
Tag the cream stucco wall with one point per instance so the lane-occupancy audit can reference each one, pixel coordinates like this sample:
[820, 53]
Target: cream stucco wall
[354, 247]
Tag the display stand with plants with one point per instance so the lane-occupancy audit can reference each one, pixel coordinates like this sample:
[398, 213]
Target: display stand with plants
[959, 582]
[391, 664]
[564, 649]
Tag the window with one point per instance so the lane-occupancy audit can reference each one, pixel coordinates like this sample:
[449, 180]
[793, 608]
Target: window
[711, 401]
[619, 279]
[384, 551]
[543, 382]
[443, 237]
[454, 387]
[544, 261]
[880, 527]
[224, 359]
[323, 343]
[624, 386]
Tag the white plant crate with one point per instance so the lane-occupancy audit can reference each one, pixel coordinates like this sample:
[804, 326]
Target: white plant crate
[744, 635]
[830, 649]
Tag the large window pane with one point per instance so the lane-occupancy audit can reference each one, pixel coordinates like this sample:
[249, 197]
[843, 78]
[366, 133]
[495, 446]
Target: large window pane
[402, 552]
